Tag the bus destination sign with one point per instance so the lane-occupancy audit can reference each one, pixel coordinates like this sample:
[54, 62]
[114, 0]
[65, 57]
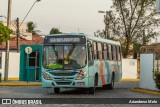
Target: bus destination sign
[58, 40]
[64, 39]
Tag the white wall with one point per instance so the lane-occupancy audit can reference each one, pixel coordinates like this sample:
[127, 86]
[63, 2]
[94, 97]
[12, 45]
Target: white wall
[14, 60]
[129, 66]
[146, 72]
[129, 69]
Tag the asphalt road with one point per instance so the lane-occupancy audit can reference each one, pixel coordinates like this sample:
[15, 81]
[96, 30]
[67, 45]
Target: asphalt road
[121, 90]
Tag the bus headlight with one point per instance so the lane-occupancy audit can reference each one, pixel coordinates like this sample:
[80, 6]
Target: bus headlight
[81, 75]
[46, 76]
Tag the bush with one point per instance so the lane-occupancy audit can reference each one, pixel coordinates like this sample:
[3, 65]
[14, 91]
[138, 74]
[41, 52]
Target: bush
[157, 78]
[4, 33]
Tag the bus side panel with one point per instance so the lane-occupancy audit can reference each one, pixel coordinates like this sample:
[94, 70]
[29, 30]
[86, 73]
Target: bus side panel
[91, 73]
[100, 74]
[103, 73]
[107, 67]
[111, 69]
[119, 71]
[115, 66]
[101, 68]
[104, 70]
[96, 68]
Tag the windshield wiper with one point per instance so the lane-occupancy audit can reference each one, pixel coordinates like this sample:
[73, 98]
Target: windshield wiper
[56, 53]
[71, 51]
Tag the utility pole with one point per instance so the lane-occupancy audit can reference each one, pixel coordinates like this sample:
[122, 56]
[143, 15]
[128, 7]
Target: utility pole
[107, 19]
[106, 22]
[7, 42]
[17, 34]
[105, 30]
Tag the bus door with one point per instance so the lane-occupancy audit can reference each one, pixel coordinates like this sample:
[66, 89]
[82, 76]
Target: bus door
[91, 69]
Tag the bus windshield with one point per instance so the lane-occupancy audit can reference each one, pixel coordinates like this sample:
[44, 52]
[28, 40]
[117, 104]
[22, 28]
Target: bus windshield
[66, 57]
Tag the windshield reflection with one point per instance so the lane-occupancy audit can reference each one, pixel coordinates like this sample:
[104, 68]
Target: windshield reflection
[64, 57]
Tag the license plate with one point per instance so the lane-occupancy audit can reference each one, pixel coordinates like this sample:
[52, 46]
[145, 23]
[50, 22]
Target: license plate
[80, 83]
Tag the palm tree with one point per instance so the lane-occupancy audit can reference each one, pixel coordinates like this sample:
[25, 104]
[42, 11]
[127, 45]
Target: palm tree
[31, 27]
[55, 31]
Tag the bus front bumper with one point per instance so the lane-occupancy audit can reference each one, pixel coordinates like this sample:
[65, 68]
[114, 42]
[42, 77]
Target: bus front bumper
[65, 84]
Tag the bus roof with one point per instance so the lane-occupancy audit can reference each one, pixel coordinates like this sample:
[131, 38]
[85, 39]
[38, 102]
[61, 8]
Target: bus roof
[93, 38]
[67, 34]
[88, 37]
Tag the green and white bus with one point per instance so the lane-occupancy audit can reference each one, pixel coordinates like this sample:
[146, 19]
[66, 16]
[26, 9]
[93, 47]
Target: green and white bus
[80, 61]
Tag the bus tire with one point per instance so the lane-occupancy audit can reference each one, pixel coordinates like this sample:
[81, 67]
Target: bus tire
[92, 89]
[56, 90]
[111, 86]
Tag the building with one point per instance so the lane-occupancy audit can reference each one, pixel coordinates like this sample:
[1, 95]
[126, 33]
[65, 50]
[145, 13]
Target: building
[14, 56]
[153, 48]
[22, 29]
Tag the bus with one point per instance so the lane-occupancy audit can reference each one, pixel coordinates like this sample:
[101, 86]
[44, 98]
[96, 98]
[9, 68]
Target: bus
[80, 61]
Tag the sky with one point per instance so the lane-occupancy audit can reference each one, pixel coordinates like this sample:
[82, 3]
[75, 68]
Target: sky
[70, 16]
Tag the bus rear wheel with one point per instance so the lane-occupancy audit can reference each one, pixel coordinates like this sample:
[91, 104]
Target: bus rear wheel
[111, 86]
[57, 90]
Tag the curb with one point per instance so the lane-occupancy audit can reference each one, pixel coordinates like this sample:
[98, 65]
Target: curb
[12, 79]
[20, 84]
[146, 91]
[129, 80]
[39, 84]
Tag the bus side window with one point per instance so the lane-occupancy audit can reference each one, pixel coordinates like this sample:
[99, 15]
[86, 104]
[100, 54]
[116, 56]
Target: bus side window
[105, 51]
[94, 50]
[114, 52]
[120, 53]
[117, 55]
[89, 52]
[100, 51]
[97, 50]
[110, 52]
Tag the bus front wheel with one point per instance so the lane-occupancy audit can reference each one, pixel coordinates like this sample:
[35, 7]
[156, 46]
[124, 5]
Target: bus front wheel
[57, 90]
[92, 89]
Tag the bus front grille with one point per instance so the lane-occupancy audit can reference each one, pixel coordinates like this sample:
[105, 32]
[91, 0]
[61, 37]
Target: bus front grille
[63, 83]
[63, 74]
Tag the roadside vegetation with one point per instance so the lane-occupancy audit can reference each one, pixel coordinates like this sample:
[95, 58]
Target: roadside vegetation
[132, 22]
[4, 33]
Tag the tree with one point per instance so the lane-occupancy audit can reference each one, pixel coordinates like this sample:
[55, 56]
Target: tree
[55, 31]
[134, 21]
[31, 27]
[98, 33]
[4, 33]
